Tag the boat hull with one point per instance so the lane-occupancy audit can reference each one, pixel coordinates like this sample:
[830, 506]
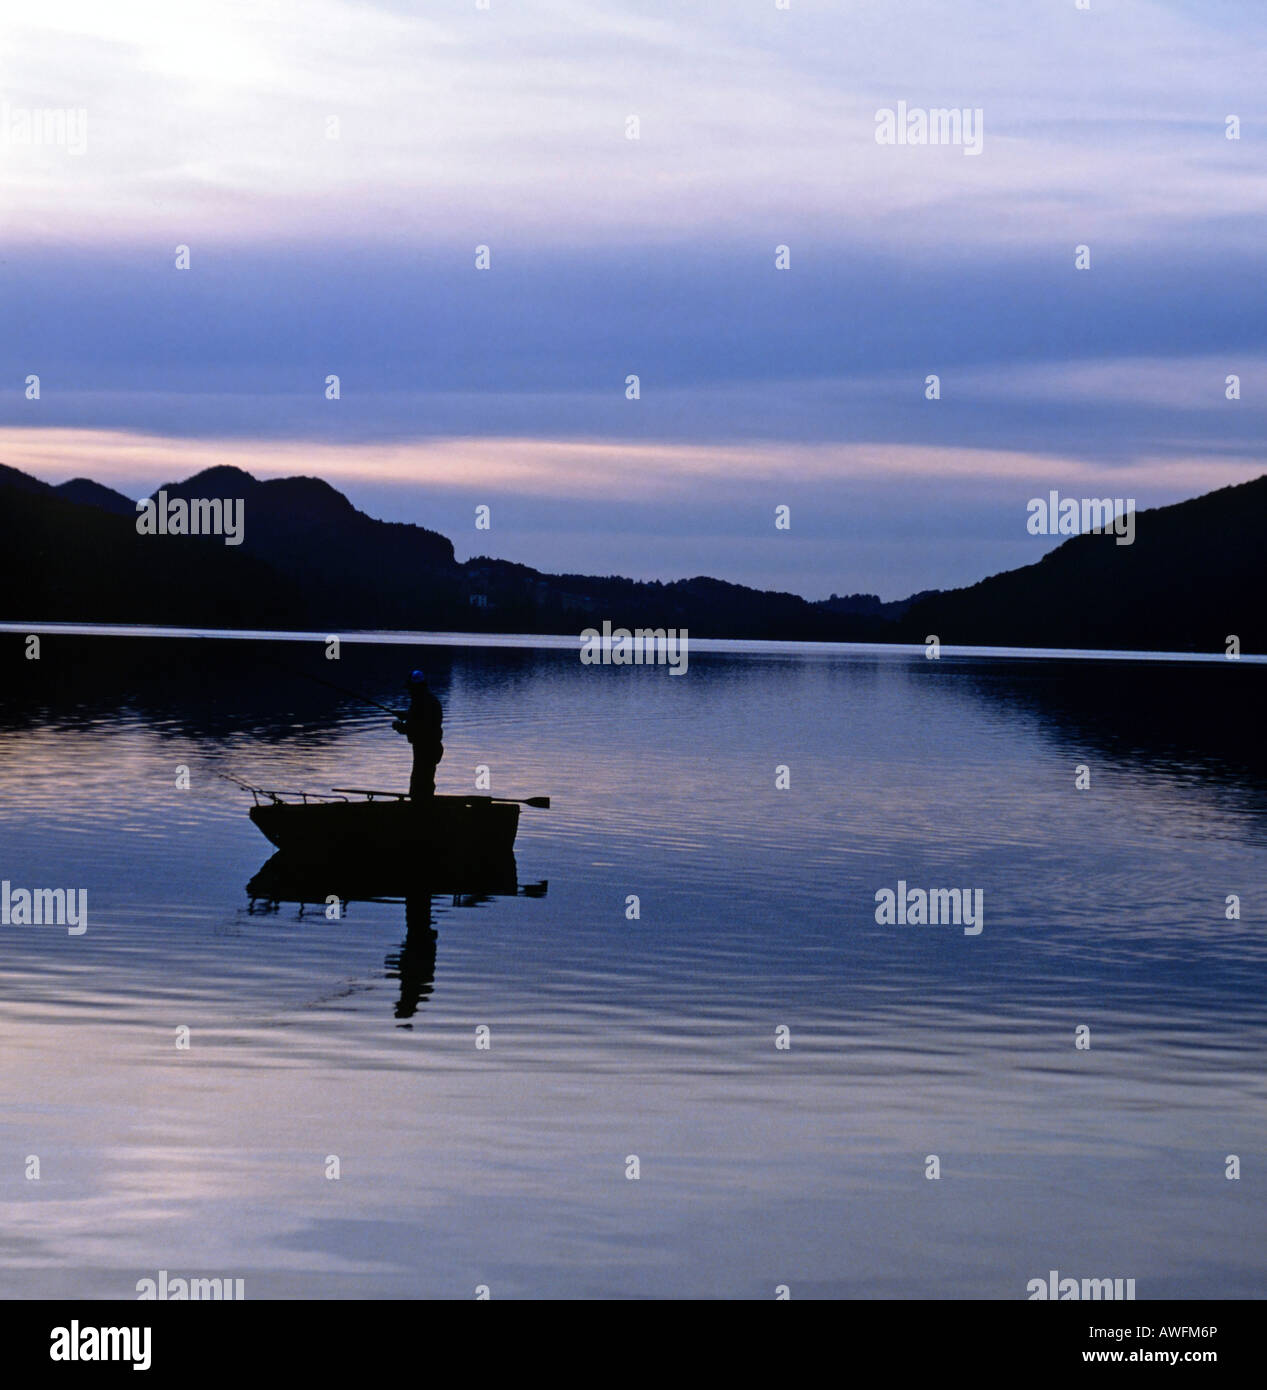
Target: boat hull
[459, 833]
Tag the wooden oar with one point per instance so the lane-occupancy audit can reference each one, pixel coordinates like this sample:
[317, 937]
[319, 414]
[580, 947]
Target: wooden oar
[541, 803]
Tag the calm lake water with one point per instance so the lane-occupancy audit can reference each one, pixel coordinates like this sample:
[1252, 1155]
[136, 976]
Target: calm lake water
[655, 1037]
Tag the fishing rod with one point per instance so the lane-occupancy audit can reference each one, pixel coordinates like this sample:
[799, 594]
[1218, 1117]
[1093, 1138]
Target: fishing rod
[539, 803]
[352, 694]
[273, 796]
[330, 685]
[536, 802]
[238, 782]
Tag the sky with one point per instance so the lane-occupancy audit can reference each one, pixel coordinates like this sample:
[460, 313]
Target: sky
[332, 168]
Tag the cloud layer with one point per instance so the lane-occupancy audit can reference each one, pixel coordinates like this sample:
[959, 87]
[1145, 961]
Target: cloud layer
[210, 125]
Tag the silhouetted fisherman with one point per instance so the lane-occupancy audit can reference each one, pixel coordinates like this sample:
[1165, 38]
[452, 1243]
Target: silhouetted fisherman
[422, 725]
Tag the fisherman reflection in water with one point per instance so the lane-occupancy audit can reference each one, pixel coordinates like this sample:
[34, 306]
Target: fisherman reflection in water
[414, 965]
[422, 725]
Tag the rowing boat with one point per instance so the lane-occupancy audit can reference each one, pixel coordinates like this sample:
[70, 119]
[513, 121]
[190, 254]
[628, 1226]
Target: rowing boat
[466, 831]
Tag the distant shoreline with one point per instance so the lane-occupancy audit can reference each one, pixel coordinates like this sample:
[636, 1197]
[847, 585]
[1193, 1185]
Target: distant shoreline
[1189, 581]
[564, 642]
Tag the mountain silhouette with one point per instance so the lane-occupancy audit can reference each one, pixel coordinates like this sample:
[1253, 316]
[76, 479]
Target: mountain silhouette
[309, 559]
[71, 561]
[90, 494]
[1193, 577]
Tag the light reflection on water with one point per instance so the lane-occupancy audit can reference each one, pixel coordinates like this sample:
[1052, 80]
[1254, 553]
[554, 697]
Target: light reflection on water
[656, 1037]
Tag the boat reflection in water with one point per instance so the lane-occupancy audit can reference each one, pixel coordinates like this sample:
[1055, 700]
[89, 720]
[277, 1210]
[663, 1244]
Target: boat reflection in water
[382, 878]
